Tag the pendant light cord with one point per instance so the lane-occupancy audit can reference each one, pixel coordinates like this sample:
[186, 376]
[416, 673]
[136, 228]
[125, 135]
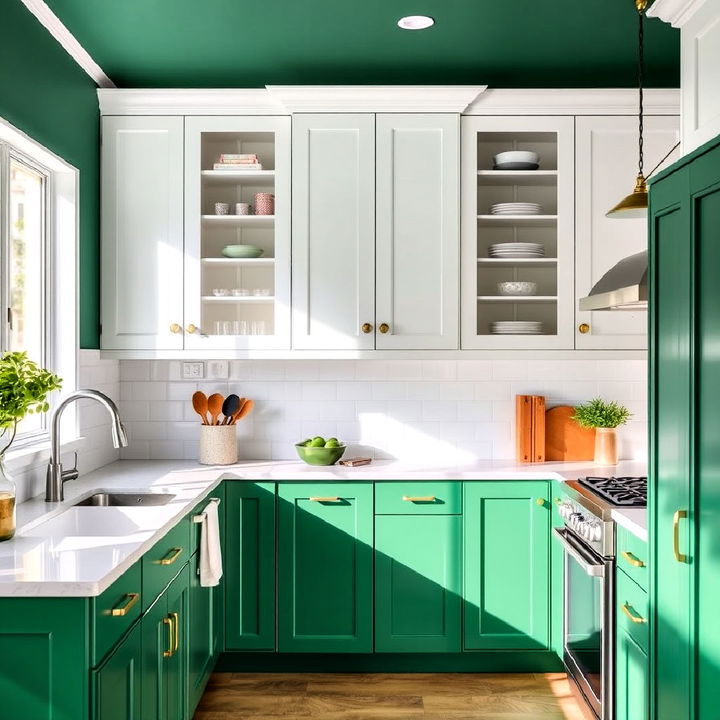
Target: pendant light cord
[641, 78]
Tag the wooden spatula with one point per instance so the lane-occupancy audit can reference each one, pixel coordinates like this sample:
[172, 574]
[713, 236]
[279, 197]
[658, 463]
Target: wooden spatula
[200, 405]
[245, 409]
[215, 404]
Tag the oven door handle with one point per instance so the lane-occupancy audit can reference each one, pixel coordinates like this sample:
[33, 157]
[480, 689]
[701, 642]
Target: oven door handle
[584, 558]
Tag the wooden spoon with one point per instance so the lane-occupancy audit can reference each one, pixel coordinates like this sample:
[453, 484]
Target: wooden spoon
[200, 405]
[229, 408]
[245, 410]
[215, 404]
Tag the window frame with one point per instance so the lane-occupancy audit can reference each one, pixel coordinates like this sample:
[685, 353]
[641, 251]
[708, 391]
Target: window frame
[60, 300]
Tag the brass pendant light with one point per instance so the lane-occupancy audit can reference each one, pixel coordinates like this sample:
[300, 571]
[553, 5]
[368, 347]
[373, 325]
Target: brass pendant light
[635, 205]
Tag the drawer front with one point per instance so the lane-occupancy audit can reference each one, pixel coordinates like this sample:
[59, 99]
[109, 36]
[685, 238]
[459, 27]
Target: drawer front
[418, 498]
[632, 556]
[164, 561]
[632, 610]
[115, 610]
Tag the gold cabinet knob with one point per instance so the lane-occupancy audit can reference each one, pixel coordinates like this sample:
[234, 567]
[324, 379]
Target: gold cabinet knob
[191, 328]
[175, 328]
[584, 328]
[367, 328]
[540, 502]
[384, 327]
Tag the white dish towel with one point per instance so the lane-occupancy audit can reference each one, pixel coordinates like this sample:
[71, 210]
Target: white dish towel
[210, 552]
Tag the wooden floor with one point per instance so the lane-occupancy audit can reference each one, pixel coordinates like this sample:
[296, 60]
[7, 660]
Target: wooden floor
[433, 696]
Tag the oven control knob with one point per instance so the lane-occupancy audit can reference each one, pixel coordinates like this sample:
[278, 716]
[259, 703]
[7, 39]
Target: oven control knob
[575, 519]
[595, 533]
[565, 510]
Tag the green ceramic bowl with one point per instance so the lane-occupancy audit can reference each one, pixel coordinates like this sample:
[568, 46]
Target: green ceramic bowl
[320, 455]
[242, 251]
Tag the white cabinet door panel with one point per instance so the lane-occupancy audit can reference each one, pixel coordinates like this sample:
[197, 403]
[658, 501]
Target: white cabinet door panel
[142, 233]
[333, 231]
[417, 222]
[606, 165]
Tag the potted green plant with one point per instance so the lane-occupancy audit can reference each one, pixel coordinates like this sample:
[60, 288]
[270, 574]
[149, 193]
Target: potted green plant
[24, 387]
[605, 418]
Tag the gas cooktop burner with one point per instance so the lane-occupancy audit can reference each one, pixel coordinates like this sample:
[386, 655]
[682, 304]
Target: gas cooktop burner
[625, 491]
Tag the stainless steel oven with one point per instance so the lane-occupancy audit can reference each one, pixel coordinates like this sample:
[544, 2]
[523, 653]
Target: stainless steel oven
[589, 626]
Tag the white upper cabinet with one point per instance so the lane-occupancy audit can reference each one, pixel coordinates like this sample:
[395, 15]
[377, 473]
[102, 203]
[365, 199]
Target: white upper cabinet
[375, 231]
[417, 235]
[237, 303]
[606, 166]
[517, 228]
[333, 258]
[142, 233]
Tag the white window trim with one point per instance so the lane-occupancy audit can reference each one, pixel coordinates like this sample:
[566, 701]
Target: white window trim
[62, 306]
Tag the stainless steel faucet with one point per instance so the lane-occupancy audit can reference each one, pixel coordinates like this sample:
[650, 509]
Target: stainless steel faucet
[56, 476]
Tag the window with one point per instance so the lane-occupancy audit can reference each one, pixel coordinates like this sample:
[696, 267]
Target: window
[38, 304]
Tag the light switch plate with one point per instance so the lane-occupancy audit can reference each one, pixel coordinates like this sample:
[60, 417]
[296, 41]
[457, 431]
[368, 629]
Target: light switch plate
[218, 370]
[193, 370]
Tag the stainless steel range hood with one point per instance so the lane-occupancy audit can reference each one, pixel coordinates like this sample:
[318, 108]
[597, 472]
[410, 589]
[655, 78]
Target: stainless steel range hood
[622, 287]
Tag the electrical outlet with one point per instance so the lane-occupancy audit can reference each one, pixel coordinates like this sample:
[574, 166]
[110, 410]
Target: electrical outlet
[218, 370]
[193, 370]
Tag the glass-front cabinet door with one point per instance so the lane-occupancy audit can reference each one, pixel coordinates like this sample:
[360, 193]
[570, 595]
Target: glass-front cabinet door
[517, 232]
[237, 233]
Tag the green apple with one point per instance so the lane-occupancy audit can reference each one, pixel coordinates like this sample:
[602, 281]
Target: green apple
[317, 442]
[332, 443]
[305, 443]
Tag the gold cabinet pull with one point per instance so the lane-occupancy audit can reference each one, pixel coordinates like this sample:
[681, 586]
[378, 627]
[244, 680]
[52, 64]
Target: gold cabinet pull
[634, 561]
[584, 328]
[413, 498]
[175, 328]
[540, 502]
[176, 622]
[677, 517]
[171, 635]
[366, 328]
[635, 618]
[384, 327]
[171, 557]
[324, 499]
[130, 600]
[191, 328]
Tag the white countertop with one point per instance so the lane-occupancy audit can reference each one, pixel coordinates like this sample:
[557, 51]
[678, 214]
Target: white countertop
[47, 562]
[632, 519]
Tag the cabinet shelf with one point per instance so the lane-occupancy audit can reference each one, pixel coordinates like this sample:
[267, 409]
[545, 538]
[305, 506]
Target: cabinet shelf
[251, 299]
[230, 177]
[233, 262]
[513, 262]
[517, 177]
[517, 298]
[525, 220]
[251, 220]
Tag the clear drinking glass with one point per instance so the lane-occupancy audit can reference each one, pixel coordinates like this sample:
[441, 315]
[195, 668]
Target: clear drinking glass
[227, 327]
[258, 327]
[218, 326]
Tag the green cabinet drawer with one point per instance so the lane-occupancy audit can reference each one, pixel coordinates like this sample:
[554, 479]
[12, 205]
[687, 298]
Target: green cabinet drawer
[632, 610]
[164, 561]
[114, 611]
[418, 498]
[632, 556]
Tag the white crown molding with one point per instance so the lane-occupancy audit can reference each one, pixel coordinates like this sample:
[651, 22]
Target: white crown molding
[52, 23]
[376, 98]
[572, 101]
[188, 102]
[675, 12]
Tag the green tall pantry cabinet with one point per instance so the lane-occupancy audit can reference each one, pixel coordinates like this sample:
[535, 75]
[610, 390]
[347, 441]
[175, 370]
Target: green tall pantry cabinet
[684, 498]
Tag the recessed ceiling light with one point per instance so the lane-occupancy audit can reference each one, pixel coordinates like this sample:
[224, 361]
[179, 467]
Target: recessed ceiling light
[415, 22]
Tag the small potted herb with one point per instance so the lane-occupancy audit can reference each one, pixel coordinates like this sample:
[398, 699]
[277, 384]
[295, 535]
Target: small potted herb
[605, 418]
[24, 387]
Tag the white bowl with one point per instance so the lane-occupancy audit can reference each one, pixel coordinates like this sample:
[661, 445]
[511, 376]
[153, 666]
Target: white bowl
[516, 156]
[516, 287]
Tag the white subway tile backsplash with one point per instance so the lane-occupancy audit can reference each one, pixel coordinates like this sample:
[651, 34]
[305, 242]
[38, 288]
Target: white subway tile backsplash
[435, 409]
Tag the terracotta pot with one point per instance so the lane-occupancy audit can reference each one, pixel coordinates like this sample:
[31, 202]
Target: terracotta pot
[606, 452]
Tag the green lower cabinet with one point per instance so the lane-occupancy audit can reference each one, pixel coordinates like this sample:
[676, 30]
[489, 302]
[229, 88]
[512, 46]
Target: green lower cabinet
[325, 567]
[118, 683]
[507, 565]
[165, 653]
[249, 565]
[418, 583]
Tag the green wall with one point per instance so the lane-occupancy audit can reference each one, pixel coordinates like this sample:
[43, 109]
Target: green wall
[44, 93]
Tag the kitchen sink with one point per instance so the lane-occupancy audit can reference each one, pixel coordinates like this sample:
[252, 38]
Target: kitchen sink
[84, 522]
[124, 499]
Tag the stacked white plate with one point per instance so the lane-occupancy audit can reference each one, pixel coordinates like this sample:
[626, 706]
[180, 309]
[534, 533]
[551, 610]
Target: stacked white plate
[517, 250]
[516, 327]
[516, 208]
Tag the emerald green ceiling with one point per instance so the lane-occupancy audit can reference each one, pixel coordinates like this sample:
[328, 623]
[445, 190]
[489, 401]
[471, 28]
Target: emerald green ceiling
[250, 43]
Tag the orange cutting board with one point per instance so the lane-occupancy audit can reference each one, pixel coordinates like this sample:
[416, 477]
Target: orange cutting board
[564, 438]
